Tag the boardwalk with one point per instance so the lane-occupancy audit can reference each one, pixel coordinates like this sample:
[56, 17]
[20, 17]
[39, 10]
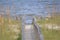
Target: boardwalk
[30, 33]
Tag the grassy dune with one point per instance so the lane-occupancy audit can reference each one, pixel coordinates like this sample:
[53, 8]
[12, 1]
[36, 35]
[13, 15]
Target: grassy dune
[50, 34]
[10, 30]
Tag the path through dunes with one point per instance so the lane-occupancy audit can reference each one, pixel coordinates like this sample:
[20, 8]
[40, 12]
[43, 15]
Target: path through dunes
[30, 32]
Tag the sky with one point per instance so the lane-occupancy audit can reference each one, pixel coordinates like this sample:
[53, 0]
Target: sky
[30, 6]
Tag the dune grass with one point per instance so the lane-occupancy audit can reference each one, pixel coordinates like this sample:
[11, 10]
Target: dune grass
[51, 34]
[52, 20]
[6, 33]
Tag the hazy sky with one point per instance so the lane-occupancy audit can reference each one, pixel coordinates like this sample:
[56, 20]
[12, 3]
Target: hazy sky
[29, 6]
